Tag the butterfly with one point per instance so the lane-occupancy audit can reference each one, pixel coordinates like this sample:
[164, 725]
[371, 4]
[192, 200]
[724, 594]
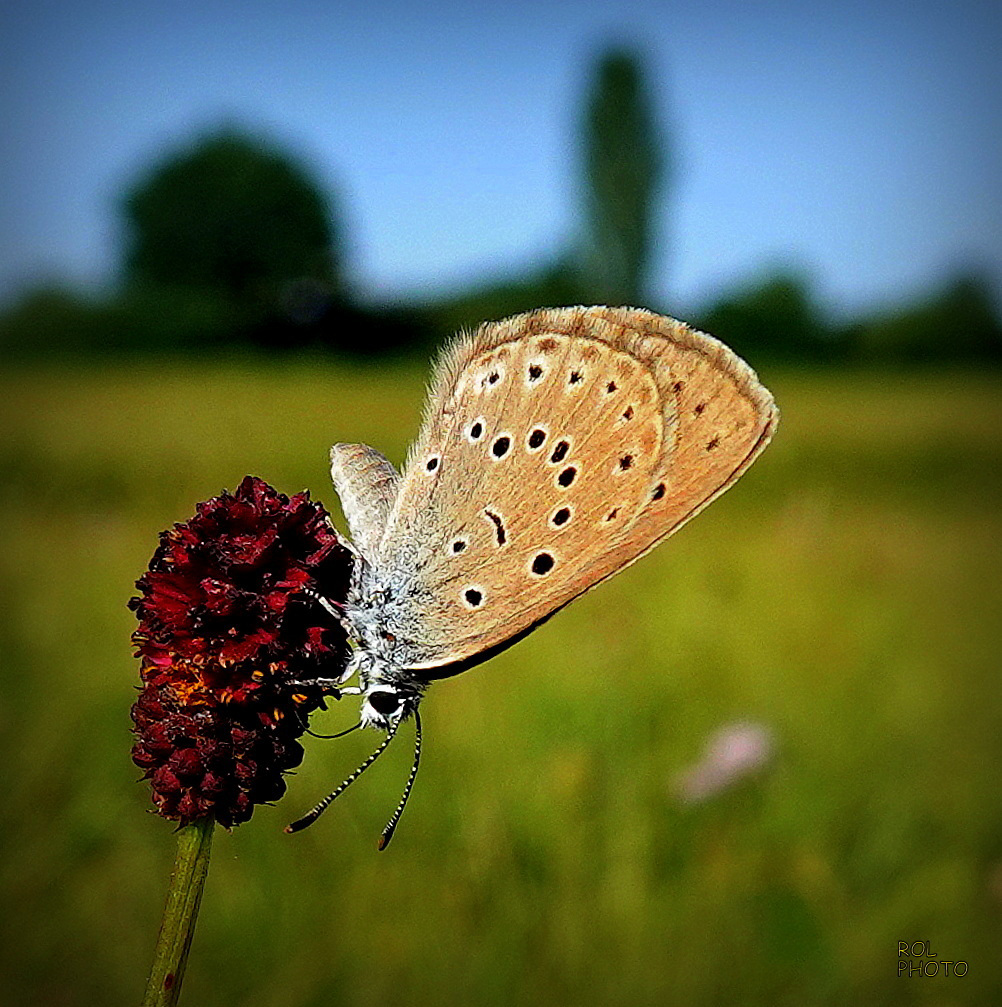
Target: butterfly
[557, 448]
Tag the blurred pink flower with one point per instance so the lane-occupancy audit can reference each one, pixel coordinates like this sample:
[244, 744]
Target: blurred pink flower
[732, 753]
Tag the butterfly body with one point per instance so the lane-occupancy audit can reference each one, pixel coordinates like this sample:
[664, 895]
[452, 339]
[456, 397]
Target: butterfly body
[557, 448]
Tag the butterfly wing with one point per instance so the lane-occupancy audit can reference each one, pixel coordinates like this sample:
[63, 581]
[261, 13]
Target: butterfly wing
[557, 448]
[366, 484]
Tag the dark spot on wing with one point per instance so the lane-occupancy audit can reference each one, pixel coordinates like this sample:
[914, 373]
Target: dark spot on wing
[542, 564]
[499, 529]
[561, 516]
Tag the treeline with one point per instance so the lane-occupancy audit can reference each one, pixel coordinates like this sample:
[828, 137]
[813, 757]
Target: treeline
[779, 317]
[230, 241]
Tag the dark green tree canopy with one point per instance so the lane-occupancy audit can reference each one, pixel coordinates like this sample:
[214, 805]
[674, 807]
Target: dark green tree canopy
[776, 314]
[237, 219]
[960, 321]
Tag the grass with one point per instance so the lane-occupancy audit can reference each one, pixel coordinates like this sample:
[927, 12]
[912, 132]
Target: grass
[845, 594]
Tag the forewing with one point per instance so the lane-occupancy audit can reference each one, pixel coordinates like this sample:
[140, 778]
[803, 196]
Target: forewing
[557, 448]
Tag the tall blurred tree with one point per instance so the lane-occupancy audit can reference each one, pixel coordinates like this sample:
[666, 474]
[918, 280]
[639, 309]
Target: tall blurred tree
[624, 169]
[236, 222]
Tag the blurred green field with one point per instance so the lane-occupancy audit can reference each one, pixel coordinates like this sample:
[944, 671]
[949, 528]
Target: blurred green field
[846, 594]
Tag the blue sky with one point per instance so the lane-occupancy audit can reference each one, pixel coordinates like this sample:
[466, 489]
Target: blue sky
[860, 141]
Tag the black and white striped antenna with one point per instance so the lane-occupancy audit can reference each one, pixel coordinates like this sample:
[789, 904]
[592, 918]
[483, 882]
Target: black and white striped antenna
[391, 825]
[322, 806]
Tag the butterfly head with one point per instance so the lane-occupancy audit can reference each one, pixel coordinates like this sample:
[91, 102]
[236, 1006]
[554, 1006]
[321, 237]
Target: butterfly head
[389, 694]
[386, 704]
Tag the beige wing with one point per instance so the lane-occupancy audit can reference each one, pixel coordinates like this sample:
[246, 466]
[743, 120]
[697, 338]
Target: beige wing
[557, 448]
[366, 484]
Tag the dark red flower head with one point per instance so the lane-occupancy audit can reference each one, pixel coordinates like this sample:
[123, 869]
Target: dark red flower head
[227, 638]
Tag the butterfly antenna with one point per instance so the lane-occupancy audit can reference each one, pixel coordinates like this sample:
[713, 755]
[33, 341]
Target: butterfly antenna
[330, 737]
[391, 825]
[332, 608]
[326, 603]
[322, 806]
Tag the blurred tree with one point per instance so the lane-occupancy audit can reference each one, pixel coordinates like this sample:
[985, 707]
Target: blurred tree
[553, 283]
[623, 167]
[235, 221]
[959, 322]
[776, 316]
[55, 319]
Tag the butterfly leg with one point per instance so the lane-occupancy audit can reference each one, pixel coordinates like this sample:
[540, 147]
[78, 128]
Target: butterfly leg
[329, 686]
[335, 686]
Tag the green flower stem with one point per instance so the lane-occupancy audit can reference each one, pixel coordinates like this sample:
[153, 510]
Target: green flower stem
[191, 865]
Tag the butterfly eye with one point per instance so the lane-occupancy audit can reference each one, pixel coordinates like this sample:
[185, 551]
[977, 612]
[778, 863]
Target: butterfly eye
[385, 703]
